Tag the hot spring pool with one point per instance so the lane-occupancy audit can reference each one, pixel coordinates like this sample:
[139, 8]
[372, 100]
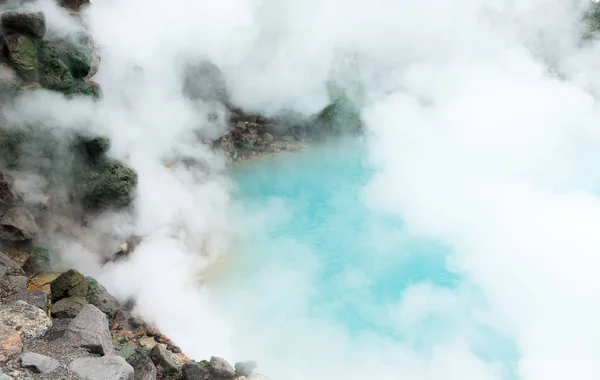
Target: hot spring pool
[312, 256]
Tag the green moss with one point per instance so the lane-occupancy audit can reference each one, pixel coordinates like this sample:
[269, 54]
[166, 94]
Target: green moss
[56, 76]
[95, 147]
[204, 364]
[39, 261]
[108, 183]
[21, 54]
[142, 351]
[87, 88]
[10, 148]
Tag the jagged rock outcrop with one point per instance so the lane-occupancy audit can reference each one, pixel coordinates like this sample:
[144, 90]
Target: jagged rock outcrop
[90, 330]
[17, 224]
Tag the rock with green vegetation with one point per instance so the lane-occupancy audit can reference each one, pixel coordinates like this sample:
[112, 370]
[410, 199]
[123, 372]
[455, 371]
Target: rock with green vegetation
[342, 112]
[124, 350]
[39, 260]
[93, 148]
[109, 183]
[32, 24]
[194, 371]
[55, 75]
[69, 284]
[592, 21]
[98, 296]
[21, 55]
[86, 87]
[78, 59]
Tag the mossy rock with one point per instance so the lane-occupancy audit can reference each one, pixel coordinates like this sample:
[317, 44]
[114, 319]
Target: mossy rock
[29, 87]
[78, 59]
[87, 88]
[69, 284]
[39, 260]
[109, 183]
[10, 148]
[55, 75]
[124, 350]
[21, 55]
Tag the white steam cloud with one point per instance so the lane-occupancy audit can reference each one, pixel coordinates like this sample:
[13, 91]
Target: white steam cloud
[476, 144]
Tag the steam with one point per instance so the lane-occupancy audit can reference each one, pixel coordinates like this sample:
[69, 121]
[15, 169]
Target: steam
[482, 121]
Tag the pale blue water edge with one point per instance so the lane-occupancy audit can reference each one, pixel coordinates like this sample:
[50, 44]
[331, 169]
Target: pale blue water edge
[308, 214]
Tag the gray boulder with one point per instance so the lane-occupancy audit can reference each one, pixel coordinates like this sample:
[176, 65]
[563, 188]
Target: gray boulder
[103, 368]
[35, 298]
[143, 369]
[193, 371]
[98, 296]
[221, 368]
[17, 224]
[163, 360]
[39, 363]
[58, 328]
[90, 330]
[12, 284]
[245, 368]
[69, 284]
[8, 195]
[68, 307]
[32, 24]
[4, 376]
[12, 267]
[29, 320]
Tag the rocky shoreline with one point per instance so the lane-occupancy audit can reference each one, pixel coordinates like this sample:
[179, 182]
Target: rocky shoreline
[67, 326]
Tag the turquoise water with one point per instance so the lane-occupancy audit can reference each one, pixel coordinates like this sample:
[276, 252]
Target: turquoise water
[304, 214]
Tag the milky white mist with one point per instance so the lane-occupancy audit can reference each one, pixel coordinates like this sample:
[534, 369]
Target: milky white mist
[475, 142]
